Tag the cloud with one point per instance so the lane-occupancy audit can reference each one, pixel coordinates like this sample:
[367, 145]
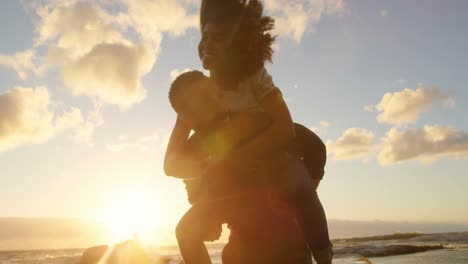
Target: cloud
[95, 58]
[294, 17]
[111, 72]
[152, 17]
[176, 72]
[71, 28]
[27, 117]
[144, 143]
[405, 107]
[105, 48]
[22, 63]
[354, 144]
[369, 108]
[426, 145]
[80, 128]
[322, 127]
[24, 117]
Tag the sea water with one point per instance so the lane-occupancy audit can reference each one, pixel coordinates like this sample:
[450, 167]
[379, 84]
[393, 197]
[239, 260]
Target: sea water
[456, 252]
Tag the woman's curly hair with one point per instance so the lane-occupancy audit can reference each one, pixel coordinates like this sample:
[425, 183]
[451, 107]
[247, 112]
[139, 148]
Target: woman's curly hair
[250, 40]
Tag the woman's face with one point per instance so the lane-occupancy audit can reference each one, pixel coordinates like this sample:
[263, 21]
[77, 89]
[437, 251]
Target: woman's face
[213, 47]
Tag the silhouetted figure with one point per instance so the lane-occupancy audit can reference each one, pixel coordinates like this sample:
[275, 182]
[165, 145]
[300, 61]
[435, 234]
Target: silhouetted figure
[235, 46]
[217, 133]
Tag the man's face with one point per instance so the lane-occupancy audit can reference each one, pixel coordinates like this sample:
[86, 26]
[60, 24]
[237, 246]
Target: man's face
[203, 105]
[213, 47]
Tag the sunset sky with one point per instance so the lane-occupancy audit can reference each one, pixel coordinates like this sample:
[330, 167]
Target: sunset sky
[84, 114]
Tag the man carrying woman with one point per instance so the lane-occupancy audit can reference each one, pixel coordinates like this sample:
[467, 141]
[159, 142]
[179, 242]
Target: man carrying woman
[234, 47]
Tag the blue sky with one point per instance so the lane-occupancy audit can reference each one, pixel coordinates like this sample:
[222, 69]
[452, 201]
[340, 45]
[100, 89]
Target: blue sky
[382, 82]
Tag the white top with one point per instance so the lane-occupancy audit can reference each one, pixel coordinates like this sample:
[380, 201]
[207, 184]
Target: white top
[249, 94]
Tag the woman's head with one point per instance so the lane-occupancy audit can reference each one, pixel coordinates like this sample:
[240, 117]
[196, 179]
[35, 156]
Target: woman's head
[235, 37]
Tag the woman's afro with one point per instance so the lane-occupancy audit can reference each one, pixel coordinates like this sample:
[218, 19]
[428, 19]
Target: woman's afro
[250, 40]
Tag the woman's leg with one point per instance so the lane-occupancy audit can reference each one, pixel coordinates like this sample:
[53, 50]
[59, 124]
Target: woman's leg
[190, 232]
[314, 224]
[309, 211]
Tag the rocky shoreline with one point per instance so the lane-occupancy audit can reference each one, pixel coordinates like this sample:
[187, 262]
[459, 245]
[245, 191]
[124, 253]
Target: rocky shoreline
[131, 252]
[386, 250]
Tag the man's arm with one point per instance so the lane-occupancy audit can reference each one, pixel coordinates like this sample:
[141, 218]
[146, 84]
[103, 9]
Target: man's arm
[180, 161]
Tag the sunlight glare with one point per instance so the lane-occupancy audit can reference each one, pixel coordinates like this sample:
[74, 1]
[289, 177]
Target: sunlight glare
[131, 213]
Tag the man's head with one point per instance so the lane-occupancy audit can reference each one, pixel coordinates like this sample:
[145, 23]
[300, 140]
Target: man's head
[235, 36]
[195, 99]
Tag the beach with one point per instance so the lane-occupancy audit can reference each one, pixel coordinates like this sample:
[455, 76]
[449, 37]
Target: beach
[350, 250]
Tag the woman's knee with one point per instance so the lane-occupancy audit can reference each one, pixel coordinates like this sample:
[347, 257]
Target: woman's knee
[185, 225]
[190, 225]
[181, 229]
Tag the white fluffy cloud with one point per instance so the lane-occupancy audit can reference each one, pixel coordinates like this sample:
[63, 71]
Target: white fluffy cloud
[322, 127]
[426, 145]
[152, 17]
[176, 72]
[110, 72]
[294, 17]
[27, 117]
[104, 48]
[95, 57]
[80, 128]
[354, 144]
[72, 28]
[22, 63]
[406, 106]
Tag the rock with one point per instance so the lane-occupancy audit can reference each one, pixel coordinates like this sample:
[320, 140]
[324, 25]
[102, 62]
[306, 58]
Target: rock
[128, 252]
[363, 260]
[385, 250]
[93, 255]
[393, 250]
[167, 260]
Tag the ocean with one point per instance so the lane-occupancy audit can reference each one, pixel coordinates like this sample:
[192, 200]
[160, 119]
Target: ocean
[450, 248]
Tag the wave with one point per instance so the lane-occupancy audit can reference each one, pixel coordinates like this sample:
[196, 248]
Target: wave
[395, 236]
[385, 250]
[346, 250]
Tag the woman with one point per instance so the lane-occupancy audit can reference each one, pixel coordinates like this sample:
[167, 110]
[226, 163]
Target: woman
[235, 46]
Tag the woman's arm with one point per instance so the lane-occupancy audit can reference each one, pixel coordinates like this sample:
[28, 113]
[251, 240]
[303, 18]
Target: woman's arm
[177, 162]
[278, 135]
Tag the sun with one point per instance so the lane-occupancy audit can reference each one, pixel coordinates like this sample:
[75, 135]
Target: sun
[131, 212]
